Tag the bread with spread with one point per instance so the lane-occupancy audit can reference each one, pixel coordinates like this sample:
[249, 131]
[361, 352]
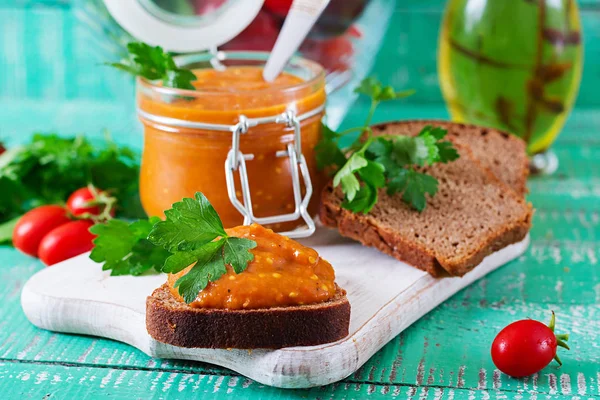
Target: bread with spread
[473, 214]
[287, 296]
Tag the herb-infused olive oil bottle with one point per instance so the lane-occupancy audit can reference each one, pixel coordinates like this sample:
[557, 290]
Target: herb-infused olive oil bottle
[512, 64]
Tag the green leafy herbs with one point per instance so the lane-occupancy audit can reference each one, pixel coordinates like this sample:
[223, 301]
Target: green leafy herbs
[393, 162]
[153, 63]
[192, 234]
[125, 249]
[50, 167]
[372, 88]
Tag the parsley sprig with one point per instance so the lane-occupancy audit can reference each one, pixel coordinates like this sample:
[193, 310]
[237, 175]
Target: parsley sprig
[388, 161]
[192, 234]
[154, 63]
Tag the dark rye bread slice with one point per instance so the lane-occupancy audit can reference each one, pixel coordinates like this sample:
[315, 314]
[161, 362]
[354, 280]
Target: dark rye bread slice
[502, 153]
[472, 215]
[171, 321]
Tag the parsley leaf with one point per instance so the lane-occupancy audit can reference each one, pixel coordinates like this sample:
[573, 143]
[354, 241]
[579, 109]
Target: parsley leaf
[364, 200]
[370, 87]
[146, 256]
[124, 249]
[236, 253]
[194, 233]
[346, 177]
[180, 78]
[183, 259]
[445, 151]
[190, 224]
[327, 152]
[198, 277]
[436, 132]
[413, 185]
[373, 88]
[153, 63]
[373, 174]
[191, 235]
[417, 185]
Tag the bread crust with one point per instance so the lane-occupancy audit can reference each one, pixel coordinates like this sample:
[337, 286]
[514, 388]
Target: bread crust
[358, 227]
[173, 322]
[355, 227]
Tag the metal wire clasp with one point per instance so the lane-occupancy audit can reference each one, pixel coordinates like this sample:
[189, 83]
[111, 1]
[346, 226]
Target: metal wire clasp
[236, 161]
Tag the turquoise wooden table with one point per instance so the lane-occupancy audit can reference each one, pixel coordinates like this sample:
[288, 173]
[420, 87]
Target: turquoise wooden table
[49, 81]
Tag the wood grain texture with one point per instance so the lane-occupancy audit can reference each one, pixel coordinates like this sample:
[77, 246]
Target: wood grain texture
[62, 382]
[76, 296]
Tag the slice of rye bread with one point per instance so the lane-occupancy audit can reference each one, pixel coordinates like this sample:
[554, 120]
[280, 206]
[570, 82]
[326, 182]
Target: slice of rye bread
[472, 215]
[502, 153]
[171, 321]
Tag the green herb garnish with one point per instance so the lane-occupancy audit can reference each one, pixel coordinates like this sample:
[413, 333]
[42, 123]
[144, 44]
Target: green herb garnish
[388, 161]
[50, 167]
[192, 234]
[153, 63]
[125, 249]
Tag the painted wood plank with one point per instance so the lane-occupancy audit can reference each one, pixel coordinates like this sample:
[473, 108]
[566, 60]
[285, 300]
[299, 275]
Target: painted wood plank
[45, 381]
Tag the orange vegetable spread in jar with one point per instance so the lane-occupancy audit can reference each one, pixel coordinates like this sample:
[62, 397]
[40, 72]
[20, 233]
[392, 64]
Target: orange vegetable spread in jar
[283, 273]
[179, 160]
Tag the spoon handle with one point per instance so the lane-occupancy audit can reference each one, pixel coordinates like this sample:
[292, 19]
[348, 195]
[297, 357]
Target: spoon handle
[301, 18]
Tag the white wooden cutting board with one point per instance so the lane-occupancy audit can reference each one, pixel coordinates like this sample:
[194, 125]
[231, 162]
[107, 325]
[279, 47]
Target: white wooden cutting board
[386, 297]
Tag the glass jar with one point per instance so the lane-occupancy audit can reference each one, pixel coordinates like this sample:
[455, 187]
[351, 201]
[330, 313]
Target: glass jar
[188, 135]
[512, 64]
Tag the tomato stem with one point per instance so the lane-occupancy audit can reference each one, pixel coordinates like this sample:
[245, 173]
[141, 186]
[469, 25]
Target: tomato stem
[563, 344]
[552, 322]
[561, 339]
[558, 360]
[102, 199]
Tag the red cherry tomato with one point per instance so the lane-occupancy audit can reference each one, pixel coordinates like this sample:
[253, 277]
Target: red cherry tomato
[278, 7]
[2, 149]
[86, 201]
[526, 347]
[83, 201]
[35, 224]
[66, 241]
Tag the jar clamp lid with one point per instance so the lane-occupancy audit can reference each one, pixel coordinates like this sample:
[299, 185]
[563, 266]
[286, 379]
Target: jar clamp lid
[147, 22]
[236, 161]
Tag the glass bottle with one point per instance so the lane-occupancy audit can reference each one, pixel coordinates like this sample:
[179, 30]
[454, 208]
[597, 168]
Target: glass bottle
[512, 64]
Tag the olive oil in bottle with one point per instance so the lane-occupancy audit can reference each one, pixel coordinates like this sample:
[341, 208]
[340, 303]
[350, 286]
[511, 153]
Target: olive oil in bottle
[512, 64]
